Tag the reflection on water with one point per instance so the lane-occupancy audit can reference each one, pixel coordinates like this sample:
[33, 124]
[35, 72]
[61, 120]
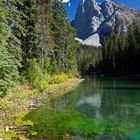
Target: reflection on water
[94, 101]
[98, 109]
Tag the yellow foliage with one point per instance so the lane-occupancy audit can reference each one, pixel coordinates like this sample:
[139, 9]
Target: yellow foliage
[56, 78]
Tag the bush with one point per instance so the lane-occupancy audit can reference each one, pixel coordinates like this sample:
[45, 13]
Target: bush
[61, 78]
[35, 75]
[39, 80]
[56, 78]
[73, 75]
[22, 78]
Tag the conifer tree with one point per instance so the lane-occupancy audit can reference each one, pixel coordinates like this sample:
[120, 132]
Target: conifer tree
[10, 51]
[63, 34]
[30, 40]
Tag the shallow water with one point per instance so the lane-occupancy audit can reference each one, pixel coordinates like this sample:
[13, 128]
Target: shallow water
[98, 109]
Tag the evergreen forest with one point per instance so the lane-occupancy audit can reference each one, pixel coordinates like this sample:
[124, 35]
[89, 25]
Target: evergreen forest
[119, 54]
[36, 41]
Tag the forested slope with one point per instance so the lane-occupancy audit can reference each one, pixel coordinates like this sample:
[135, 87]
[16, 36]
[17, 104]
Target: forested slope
[119, 54]
[36, 40]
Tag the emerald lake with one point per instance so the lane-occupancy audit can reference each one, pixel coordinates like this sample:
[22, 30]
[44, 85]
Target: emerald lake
[97, 109]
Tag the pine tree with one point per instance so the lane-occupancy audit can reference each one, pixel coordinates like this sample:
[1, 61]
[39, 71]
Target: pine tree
[63, 34]
[15, 23]
[58, 28]
[10, 51]
[132, 48]
[30, 40]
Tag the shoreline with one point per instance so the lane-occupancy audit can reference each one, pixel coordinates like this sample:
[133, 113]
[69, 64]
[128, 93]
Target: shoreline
[29, 99]
[54, 91]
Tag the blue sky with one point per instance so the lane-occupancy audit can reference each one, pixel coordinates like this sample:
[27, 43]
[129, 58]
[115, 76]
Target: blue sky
[71, 7]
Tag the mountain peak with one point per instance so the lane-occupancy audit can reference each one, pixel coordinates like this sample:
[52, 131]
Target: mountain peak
[92, 4]
[107, 8]
[97, 19]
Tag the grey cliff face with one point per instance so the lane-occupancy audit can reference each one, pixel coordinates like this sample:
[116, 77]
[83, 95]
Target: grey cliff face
[107, 8]
[88, 18]
[100, 19]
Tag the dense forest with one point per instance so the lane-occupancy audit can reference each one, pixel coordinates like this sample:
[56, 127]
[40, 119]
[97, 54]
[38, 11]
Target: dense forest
[36, 41]
[119, 54]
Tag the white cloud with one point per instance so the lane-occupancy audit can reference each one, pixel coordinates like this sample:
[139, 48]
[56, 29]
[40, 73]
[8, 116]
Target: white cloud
[66, 1]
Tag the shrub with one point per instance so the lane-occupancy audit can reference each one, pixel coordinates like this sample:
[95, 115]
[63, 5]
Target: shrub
[56, 78]
[61, 78]
[73, 75]
[22, 78]
[35, 75]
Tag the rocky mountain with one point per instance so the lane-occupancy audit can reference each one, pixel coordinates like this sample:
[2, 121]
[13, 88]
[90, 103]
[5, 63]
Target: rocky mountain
[93, 19]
